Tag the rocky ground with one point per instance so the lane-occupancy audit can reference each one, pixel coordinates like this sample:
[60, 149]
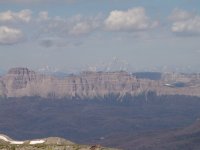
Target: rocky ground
[52, 143]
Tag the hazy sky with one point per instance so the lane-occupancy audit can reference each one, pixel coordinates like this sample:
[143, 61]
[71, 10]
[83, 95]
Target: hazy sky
[73, 34]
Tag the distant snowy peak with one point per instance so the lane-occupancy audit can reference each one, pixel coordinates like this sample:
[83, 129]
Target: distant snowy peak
[53, 71]
[115, 64]
[48, 70]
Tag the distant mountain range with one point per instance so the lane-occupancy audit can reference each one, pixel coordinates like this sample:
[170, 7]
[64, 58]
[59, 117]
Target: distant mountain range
[20, 82]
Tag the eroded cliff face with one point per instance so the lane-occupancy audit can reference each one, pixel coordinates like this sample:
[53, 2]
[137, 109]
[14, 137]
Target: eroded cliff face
[20, 82]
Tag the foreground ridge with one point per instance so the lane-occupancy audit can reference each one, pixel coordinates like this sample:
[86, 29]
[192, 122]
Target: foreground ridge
[51, 143]
[20, 82]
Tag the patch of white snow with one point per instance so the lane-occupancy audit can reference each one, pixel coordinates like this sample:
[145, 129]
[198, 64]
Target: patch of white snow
[4, 138]
[16, 142]
[37, 142]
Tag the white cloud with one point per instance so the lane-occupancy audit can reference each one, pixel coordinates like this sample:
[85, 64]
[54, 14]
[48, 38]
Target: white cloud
[43, 15]
[133, 19]
[9, 16]
[41, 25]
[190, 26]
[185, 23]
[179, 14]
[51, 26]
[10, 35]
[80, 28]
[63, 27]
[82, 25]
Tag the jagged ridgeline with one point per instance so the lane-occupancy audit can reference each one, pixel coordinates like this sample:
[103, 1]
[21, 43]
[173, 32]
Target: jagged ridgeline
[51, 143]
[20, 82]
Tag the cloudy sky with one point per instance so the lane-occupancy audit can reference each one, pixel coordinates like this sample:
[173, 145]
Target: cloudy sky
[76, 34]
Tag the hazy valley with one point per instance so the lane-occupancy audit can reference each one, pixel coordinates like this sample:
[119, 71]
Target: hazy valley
[137, 111]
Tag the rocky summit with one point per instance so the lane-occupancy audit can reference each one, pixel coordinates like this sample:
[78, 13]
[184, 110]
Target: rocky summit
[51, 143]
[20, 82]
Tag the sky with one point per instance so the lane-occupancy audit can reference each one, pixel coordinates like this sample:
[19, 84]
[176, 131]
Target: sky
[71, 35]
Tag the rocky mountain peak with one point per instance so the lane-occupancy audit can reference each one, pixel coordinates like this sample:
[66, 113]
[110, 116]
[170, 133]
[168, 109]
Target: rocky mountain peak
[18, 78]
[19, 71]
